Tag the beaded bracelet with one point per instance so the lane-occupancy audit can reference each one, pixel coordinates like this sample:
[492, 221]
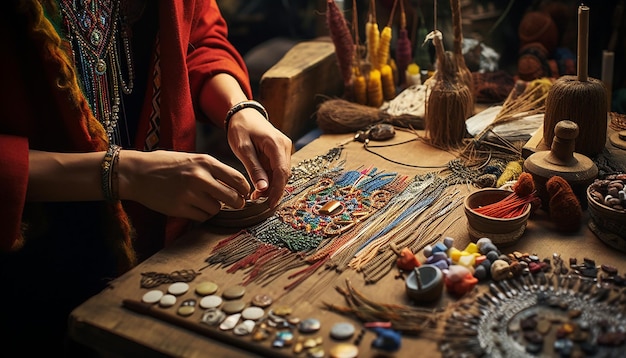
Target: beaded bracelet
[241, 105]
[109, 173]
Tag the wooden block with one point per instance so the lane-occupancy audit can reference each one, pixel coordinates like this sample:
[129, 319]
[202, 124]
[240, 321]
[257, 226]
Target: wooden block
[292, 88]
[534, 144]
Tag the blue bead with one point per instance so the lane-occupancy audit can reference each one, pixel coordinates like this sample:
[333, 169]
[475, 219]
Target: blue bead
[439, 247]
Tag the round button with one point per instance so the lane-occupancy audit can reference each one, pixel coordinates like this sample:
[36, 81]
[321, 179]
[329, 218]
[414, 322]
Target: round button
[342, 331]
[206, 288]
[309, 325]
[167, 300]
[178, 288]
[252, 313]
[234, 306]
[152, 296]
[210, 301]
[234, 292]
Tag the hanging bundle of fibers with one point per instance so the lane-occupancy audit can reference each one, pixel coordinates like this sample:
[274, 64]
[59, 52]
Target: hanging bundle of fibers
[464, 72]
[359, 82]
[336, 116]
[342, 39]
[450, 101]
[404, 54]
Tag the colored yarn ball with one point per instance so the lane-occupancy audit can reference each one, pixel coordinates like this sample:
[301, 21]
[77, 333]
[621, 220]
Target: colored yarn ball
[565, 209]
[538, 26]
[533, 63]
[525, 185]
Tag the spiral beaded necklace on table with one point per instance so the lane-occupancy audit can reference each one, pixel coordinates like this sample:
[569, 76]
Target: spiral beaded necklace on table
[98, 34]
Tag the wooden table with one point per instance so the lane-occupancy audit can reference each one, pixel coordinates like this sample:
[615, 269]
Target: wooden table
[104, 324]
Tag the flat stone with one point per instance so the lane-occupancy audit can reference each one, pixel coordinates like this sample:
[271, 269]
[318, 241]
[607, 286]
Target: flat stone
[234, 292]
[186, 310]
[178, 288]
[152, 296]
[234, 306]
[253, 313]
[206, 288]
[210, 301]
[167, 300]
[342, 330]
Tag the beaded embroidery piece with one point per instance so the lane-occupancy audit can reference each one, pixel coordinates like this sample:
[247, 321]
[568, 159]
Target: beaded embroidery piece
[98, 35]
[329, 216]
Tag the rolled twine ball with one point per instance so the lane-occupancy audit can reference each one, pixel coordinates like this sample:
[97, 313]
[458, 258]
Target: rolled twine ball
[538, 26]
[582, 102]
[532, 62]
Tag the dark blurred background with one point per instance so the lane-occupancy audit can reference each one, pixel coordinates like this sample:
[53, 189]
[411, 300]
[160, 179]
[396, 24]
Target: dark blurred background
[264, 30]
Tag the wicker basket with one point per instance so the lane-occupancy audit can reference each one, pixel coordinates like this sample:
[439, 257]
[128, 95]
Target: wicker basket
[607, 223]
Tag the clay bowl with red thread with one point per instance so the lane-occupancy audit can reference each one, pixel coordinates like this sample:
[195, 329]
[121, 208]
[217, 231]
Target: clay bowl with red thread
[501, 231]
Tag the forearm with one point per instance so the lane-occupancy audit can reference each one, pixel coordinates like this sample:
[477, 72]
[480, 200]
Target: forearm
[218, 95]
[64, 176]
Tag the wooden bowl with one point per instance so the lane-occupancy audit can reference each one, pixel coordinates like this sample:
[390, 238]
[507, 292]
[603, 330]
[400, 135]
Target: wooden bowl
[502, 232]
[608, 224]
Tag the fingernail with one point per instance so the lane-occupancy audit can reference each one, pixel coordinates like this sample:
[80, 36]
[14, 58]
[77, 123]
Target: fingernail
[261, 185]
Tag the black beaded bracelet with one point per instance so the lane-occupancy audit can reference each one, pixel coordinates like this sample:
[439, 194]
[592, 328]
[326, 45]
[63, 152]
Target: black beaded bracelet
[241, 105]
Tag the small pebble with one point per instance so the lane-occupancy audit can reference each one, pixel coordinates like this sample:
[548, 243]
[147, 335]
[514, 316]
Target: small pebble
[342, 330]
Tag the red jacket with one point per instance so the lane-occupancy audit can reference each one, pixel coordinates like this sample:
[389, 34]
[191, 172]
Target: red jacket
[35, 114]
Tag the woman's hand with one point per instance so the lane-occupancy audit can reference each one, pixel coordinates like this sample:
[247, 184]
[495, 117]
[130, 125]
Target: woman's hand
[264, 151]
[179, 184]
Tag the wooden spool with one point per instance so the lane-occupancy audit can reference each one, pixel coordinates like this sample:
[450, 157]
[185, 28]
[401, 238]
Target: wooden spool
[579, 99]
[577, 169]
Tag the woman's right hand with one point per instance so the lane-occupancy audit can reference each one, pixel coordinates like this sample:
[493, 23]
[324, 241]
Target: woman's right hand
[186, 185]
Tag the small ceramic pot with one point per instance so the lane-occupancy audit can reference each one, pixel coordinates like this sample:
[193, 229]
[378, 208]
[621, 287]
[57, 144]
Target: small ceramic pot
[501, 231]
[425, 283]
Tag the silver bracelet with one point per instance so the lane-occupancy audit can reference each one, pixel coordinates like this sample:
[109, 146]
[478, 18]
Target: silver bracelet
[241, 105]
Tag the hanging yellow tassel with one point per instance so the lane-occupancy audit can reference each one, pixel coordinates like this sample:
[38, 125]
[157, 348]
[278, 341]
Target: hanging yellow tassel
[383, 47]
[360, 88]
[372, 36]
[388, 84]
[375, 89]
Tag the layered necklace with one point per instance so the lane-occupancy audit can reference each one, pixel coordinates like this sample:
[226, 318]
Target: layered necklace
[99, 35]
